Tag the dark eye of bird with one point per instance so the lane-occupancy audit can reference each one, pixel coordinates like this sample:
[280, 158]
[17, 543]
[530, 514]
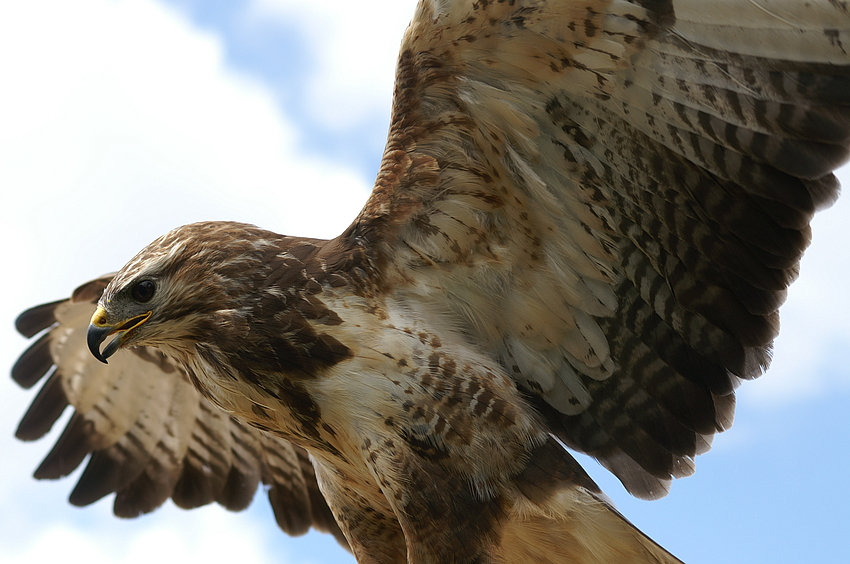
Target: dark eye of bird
[143, 291]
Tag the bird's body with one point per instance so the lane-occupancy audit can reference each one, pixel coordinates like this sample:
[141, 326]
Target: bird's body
[384, 395]
[583, 226]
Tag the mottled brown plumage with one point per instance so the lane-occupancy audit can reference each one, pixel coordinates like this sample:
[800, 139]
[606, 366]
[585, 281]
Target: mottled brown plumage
[584, 223]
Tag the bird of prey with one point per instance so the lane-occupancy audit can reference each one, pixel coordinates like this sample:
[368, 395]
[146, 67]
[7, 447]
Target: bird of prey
[586, 218]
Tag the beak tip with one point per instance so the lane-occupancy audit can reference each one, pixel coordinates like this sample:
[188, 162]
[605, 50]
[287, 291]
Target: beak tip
[94, 337]
[99, 330]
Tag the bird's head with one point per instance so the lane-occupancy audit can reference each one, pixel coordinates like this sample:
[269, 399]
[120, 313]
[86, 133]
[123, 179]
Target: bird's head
[167, 292]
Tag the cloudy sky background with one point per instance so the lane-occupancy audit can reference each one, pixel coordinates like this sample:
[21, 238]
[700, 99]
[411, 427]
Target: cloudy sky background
[122, 119]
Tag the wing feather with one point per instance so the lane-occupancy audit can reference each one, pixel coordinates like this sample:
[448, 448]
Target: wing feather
[210, 460]
[148, 434]
[45, 410]
[611, 198]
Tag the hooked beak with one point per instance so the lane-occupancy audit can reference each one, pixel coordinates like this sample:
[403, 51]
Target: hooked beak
[100, 328]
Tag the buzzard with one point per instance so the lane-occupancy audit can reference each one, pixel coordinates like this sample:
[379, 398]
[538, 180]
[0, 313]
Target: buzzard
[584, 223]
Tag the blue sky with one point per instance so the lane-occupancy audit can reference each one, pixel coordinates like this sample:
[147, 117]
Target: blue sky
[122, 119]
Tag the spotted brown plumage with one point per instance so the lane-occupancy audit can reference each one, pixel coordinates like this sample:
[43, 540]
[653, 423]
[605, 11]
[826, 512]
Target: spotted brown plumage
[584, 223]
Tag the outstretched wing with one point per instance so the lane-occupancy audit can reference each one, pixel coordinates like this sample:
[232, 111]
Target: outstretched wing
[148, 433]
[611, 198]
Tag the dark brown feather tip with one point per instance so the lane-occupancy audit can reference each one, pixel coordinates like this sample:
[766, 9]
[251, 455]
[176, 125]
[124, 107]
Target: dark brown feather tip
[33, 364]
[44, 410]
[36, 319]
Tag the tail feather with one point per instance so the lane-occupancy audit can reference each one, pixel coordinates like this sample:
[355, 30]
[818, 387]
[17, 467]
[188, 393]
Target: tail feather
[579, 527]
[558, 514]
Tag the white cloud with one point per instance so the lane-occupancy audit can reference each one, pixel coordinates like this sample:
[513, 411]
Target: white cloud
[207, 538]
[353, 78]
[122, 115]
[118, 121]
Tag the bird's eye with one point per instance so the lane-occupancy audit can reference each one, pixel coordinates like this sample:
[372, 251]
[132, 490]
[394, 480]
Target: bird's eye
[143, 291]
